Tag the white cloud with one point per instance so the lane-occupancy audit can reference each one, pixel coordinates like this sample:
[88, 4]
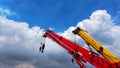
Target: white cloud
[98, 19]
[17, 40]
[51, 28]
[19, 44]
[116, 17]
[101, 27]
[25, 65]
[5, 12]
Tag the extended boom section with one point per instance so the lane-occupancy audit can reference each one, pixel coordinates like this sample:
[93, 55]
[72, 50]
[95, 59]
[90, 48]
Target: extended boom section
[96, 45]
[80, 53]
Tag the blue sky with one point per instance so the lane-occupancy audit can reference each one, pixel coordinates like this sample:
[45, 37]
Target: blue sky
[61, 15]
[57, 14]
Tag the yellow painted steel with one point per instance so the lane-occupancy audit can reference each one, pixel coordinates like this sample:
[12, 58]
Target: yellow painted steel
[96, 45]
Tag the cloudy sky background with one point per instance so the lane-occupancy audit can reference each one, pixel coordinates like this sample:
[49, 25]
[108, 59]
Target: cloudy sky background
[20, 39]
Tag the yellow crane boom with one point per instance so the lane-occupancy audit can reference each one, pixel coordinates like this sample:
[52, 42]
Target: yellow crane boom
[96, 45]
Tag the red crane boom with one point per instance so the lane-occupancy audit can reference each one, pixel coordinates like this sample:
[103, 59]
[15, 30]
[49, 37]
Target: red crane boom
[79, 53]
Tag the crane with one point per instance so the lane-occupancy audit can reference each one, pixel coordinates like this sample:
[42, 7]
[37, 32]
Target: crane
[79, 53]
[96, 45]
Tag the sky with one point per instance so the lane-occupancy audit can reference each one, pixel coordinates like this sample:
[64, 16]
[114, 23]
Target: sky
[22, 24]
[50, 13]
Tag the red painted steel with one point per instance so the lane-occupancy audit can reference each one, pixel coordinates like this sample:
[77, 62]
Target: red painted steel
[80, 53]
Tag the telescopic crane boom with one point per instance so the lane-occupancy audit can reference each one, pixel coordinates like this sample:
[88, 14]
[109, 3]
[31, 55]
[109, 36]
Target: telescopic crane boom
[79, 53]
[96, 45]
